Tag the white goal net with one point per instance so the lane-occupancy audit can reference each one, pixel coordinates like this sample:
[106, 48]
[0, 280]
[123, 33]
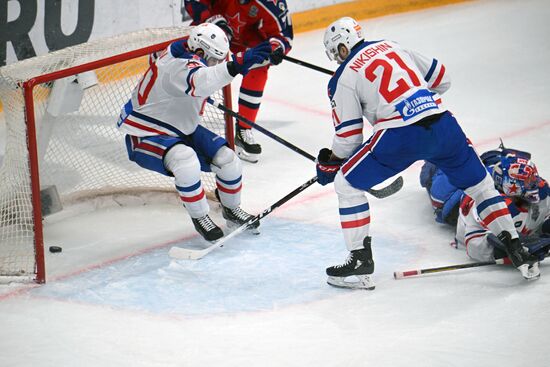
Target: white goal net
[60, 113]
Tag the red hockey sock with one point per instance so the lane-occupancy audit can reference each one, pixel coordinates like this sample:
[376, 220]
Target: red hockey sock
[250, 94]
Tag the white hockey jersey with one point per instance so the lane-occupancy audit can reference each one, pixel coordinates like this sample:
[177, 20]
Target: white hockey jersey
[170, 97]
[388, 85]
[528, 219]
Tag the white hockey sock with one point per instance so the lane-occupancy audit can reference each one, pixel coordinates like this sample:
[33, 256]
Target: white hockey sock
[354, 212]
[491, 207]
[184, 164]
[228, 169]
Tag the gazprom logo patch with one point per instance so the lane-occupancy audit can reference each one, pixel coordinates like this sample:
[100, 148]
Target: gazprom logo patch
[419, 102]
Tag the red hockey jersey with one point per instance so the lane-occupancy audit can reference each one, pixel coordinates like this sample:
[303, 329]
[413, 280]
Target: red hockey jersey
[252, 23]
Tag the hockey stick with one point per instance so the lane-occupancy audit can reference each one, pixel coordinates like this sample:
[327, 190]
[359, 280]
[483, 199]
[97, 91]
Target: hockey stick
[260, 129]
[411, 273]
[293, 60]
[391, 189]
[308, 65]
[184, 253]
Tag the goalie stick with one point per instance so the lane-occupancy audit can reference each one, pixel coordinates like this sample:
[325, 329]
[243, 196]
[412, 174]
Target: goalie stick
[416, 272]
[185, 253]
[391, 189]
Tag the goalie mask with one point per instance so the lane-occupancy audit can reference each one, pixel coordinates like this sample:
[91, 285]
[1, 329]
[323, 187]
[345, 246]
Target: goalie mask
[344, 31]
[517, 177]
[212, 40]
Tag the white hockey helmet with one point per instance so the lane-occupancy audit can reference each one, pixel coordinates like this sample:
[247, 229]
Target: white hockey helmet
[344, 31]
[212, 40]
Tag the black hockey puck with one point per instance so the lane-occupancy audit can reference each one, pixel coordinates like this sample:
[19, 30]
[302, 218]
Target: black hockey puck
[55, 249]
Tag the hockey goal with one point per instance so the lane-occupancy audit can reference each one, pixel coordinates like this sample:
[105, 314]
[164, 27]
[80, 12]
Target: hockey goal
[60, 111]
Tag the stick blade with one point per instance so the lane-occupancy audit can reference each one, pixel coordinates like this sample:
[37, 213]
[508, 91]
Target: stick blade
[181, 253]
[389, 190]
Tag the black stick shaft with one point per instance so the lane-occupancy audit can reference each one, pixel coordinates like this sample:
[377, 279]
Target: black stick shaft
[261, 129]
[268, 210]
[283, 200]
[382, 193]
[308, 65]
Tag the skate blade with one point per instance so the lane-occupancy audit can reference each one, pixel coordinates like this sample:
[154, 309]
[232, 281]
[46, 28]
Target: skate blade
[530, 272]
[363, 282]
[249, 157]
[232, 226]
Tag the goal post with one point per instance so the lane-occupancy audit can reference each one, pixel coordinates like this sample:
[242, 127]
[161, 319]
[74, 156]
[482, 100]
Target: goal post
[60, 111]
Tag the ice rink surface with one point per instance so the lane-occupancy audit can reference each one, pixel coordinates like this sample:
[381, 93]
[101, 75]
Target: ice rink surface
[115, 298]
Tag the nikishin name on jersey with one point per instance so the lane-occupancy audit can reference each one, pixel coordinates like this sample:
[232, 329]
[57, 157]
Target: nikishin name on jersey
[368, 54]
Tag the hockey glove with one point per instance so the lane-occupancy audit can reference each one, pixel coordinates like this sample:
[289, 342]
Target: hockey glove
[538, 246]
[277, 51]
[524, 261]
[251, 58]
[221, 22]
[327, 168]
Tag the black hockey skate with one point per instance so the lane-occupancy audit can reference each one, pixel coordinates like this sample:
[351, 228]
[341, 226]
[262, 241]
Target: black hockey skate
[246, 147]
[237, 217]
[525, 262]
[359, 264]
[207, 228]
